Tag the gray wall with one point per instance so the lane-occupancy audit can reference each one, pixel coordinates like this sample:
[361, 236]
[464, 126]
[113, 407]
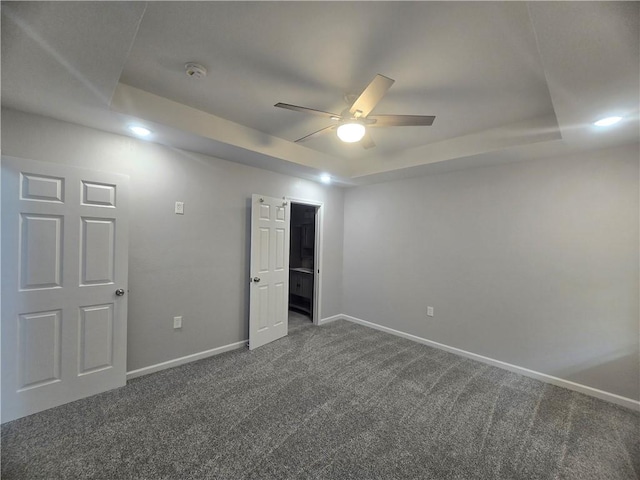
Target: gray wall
[193, 265]
[534, 263]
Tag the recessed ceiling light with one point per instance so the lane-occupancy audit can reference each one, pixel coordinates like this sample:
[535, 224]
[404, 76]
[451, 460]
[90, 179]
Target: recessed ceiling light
[325, 178]
[351, 132]
[605, 122]
[140, 131]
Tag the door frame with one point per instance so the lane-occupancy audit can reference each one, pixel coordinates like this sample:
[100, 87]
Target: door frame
[317, 253]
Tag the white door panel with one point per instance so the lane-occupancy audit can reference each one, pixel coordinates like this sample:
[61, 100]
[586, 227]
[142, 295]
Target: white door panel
[64, 254]
[269, 290]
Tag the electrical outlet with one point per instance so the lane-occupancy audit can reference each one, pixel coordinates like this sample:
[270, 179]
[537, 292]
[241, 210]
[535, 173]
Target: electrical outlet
[429, 311]
[179, 208]
[177, 322]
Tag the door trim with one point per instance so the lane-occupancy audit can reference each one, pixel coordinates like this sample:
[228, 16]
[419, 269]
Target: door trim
[317, 254]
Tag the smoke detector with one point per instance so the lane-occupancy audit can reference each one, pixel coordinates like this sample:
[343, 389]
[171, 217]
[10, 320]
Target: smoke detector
[195, 70]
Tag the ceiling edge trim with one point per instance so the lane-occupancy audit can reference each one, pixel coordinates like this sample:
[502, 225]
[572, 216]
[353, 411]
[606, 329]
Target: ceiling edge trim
[138, 103]
[541, 129]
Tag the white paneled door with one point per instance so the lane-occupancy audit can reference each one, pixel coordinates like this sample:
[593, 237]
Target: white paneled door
[64, 280]
[269, 290]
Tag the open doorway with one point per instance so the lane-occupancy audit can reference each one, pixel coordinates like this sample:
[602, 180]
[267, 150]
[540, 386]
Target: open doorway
[303, 264]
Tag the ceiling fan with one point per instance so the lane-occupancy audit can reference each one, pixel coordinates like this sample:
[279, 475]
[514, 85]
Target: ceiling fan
[353, 122]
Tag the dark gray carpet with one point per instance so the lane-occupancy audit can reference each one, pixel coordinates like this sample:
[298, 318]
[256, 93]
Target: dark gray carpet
[339, 401]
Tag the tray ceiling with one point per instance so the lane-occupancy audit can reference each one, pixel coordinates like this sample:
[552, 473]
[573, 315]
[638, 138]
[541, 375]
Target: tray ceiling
[498, 76]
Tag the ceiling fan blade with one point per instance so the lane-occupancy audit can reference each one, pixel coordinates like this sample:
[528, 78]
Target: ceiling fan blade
[296, 108]
[317, 132]
[401, 120]
[367, 142]
[371, 95]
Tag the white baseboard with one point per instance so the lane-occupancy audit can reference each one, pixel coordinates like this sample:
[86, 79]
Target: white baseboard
[594, 392]
[186, 359]
[333, 318]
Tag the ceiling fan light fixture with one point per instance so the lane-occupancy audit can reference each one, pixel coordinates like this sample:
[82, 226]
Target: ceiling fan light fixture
[353, 120]
[351, 132]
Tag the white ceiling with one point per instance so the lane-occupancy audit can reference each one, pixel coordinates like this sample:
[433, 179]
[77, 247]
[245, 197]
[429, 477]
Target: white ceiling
[259, 54]
[499, 76]
[64, 59]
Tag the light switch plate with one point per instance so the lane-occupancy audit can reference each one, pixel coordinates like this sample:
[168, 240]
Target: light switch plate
[180, 208]
[429, 311]
[177, 322]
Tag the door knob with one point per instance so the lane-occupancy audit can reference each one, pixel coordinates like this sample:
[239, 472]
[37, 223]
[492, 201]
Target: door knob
[256, 279]
[120, 292]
